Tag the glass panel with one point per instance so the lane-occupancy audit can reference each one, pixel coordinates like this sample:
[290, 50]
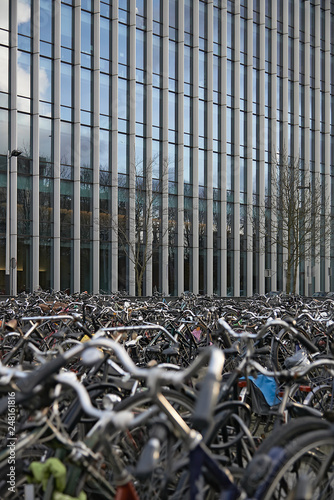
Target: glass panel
[45, 139]
[173, 13]
[24, 266]
[104, 149]
[140, 103]
[122, 99]
[4, 18]
[140, 49]
[86, 33]
[172, 60]
[86, 89]
[45, 79]
[157, 10]
[23, 74]
[172, 110]
[66, 85]
[66, 26]
[45, 263]
[104, 93]
[4, 122]
[122, 153]
[187, 64]
[24, 17]
[156, 107]
[156, 54]
[105, 37]
[122, 44]
[24, 202]
[66, 143]
[202, 20]
[86, 147]
[46, 20]
[24, 134]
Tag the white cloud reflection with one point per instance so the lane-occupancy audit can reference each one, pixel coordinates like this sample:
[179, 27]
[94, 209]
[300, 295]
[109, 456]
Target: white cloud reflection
[23, 11]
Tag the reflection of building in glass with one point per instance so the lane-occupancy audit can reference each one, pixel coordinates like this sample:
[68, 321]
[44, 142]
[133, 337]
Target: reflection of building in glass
[149, 133]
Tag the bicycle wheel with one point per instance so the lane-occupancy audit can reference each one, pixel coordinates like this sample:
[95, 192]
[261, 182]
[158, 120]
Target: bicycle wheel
[310, 456]
[320, 398]
[284, 346]
[282, 436]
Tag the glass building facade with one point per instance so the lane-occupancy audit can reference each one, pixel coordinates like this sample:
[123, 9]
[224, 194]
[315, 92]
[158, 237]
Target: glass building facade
[147, 131]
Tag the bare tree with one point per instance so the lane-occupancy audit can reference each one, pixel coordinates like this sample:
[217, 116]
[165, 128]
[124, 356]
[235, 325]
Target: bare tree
[145, 219]
[294, 218]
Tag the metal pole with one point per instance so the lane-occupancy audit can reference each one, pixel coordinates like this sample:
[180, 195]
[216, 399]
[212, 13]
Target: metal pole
[7, 274]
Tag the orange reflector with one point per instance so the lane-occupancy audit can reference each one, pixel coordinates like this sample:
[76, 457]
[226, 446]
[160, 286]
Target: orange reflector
[242, 383]
[305, 388]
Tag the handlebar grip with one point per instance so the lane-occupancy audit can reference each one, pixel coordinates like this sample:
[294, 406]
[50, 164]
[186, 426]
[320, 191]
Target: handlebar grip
[41, 374]
[209, 392]
[306, 342]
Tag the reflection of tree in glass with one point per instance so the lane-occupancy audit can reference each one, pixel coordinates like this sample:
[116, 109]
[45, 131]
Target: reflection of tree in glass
[294, 217]
[145, 219]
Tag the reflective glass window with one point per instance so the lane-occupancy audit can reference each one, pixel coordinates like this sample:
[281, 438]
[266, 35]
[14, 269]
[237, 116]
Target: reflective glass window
[105, 38]
[24, 134]
[4, 64]
[188, 20]
[104, 93]
[187, 115]
[156, 107]
[66, 143]
[46, 24]
[140, 103]
[187, 64]
[173, 13]
[45, 79]
[156, 54]
[45, 139]
[4, 121]
[86, 89]
[23, 74]
[66, 85]
[86, 33]
[86, 4]
[24, 17]
[66, 26]
[86, 147]
[172, 60]
[157, 10]
[140, 49]
[172, 110]
[122, 99]
[122, 156]
[104, 149]
[140, 7]
[122, 44]
[202, 69]
[202, 19]
[4, 18]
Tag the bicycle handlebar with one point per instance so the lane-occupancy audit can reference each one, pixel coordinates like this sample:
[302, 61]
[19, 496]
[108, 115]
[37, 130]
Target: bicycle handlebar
[263, 330]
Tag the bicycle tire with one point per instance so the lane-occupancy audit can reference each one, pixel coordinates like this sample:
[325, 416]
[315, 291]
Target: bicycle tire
[303, 456]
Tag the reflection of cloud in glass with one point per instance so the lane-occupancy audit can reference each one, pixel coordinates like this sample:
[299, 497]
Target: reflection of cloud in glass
[44, 84]
[23, 77]
[23, 11]
[4, 69]
[23, 82]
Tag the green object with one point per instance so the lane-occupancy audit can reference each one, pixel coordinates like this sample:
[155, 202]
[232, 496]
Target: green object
[61, 496]
[41, 473]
